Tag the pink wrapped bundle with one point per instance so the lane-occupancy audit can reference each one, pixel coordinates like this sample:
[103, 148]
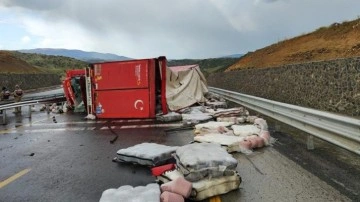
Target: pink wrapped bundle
[266, 136]
[256, 141]
[245, 144]
[171, 197]
[178, 186]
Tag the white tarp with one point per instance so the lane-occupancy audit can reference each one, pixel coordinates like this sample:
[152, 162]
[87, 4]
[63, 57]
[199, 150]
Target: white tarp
[185, 86]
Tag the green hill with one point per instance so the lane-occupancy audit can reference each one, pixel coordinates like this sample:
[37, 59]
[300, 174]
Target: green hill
[50, 64]
[12, 64]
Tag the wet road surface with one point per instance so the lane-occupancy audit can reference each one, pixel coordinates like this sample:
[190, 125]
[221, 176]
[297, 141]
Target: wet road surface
[71, 160]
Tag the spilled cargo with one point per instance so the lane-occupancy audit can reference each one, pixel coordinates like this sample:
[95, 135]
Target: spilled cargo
[134, 88]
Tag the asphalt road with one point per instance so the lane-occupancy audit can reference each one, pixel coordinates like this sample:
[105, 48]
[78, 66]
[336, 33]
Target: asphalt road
[71, 160]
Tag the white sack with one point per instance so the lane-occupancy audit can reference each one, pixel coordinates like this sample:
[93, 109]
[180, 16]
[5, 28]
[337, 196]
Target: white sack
[199, 160]
[127, 193]
[245, 130]
[231, 143]
[212, 125]
[150, 154]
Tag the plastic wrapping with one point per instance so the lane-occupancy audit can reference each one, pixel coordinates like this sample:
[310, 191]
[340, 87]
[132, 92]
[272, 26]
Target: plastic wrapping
[229, 142]
[149, 193]
[196, 118]
[212, 125]
[232, 119]
[199, 160]
[238, 111]
[245, 130]
[150, 154]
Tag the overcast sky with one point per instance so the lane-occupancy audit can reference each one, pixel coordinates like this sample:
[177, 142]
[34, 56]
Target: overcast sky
[174, 28]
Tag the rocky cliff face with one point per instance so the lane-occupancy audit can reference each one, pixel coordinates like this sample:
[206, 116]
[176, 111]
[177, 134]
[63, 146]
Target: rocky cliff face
[332, 86]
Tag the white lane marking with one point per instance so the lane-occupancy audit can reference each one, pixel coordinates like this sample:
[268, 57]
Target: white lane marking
[57, 130]
[90, 128]
[106, 127]
[93, 122]
[68, 123]
[132, 120]
[144, 126]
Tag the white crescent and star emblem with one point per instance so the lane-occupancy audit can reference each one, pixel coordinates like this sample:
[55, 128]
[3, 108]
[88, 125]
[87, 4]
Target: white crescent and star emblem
[139, 104]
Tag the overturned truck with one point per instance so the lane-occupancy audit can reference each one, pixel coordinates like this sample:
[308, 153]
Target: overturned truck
[134, 88]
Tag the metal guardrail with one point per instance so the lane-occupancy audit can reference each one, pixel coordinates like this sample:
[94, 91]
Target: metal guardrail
[340, 130]
[29, 102]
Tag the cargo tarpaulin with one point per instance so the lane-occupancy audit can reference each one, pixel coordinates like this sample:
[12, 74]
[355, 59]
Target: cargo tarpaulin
[185, 86]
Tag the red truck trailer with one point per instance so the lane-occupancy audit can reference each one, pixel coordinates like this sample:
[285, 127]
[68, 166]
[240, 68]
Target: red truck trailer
[74, 86]
[135, 88]
[126, 89]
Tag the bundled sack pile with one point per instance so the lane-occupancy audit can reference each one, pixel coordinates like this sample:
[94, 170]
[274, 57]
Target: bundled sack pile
[209, 168]
[202, 170]
[235, 136]
[233, 128]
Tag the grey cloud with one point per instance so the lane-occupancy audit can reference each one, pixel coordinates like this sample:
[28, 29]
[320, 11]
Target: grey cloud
[189, 28]
[32, 4]
[270, 1]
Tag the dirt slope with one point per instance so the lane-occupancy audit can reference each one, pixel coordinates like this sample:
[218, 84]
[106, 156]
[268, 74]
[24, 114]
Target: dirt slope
[326, 43]
[11, 64]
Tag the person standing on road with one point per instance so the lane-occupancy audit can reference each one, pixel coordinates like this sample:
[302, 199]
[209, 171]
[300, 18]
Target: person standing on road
[18, 93]
[5, 94]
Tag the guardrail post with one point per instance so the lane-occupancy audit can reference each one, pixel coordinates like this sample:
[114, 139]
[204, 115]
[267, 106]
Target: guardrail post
[29, 111]
[310, 142]
[3, 115]
[47, 108]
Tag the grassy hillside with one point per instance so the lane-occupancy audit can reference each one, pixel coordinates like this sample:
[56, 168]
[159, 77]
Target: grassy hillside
[12, 64]
[207, 66]
[50, 64]
[326, 43]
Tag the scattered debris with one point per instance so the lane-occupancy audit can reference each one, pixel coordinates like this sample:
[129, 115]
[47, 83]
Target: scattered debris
[43, 108]
[116, 135]
[90, 116]
[169, 117]
[197, 175]
[54, 119]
